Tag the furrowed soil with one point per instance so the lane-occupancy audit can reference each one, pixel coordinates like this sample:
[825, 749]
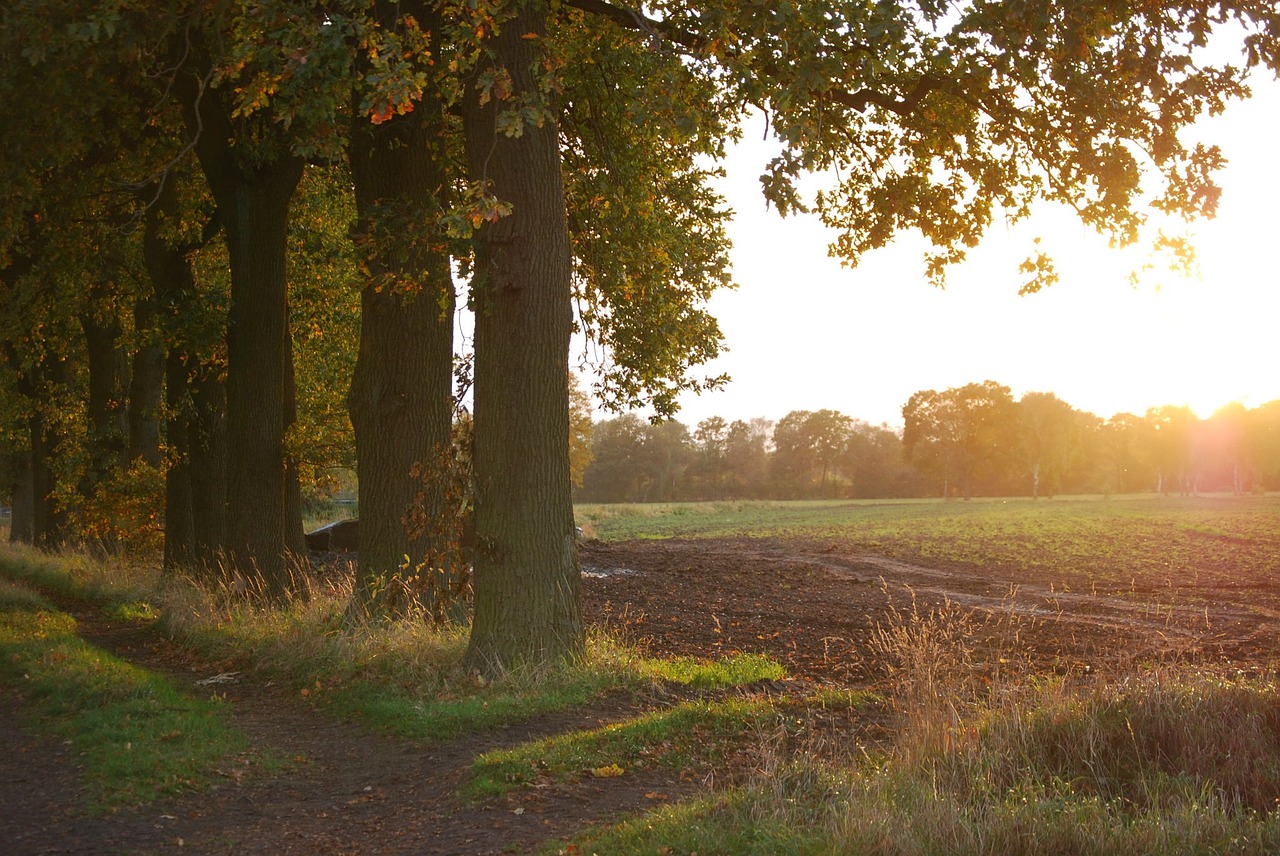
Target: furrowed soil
[811, 603]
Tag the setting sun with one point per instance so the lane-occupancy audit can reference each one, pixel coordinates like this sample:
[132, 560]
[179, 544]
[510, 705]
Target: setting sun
[805, 333]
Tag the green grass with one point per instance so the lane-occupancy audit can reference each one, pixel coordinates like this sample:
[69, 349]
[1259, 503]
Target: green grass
[1155, 764]
[136, 735]
[403, 678]
[693, 732]
[449, 711]
[1075, 543]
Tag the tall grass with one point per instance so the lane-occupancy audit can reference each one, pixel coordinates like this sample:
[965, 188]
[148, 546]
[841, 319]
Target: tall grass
[991, 758]
[403, 676]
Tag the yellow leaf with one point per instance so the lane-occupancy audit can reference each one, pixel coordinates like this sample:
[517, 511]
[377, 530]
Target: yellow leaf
[609, 771]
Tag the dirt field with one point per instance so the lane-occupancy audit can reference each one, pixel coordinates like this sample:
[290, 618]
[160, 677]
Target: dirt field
[811, 604]
[814, 604]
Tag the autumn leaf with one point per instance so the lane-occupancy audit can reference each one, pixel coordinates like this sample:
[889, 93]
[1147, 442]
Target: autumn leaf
[609, 771]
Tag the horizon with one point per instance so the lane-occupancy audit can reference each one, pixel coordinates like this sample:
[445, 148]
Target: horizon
[804, 333]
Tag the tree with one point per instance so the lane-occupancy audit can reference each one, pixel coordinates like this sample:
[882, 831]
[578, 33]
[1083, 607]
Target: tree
[711, 444]
[963, 435]
[580, 432]
[1169, 444]
[618, 469]
[807, 447]
[401, 394]
[1050, 443]
[746, 451]
[521, 291]
[873, 461]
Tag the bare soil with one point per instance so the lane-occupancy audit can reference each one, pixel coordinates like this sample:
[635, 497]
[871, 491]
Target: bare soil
[812, 605]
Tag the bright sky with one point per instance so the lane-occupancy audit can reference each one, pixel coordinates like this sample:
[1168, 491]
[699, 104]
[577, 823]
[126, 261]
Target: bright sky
[805, 333]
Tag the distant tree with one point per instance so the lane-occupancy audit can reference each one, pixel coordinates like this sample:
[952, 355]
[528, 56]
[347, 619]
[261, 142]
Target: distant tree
[618, 468]
[1121, 443]
[580, 431]
[1170, 445]
[1050, 440]
[710, 474]
[1227, 456]
[964, 436]
[873, 461]
[1264, 441]
[746, 457]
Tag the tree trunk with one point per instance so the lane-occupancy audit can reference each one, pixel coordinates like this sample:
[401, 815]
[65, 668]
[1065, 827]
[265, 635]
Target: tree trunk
[195, 480]
[179, 526]
[252, 181]
[401, 393]
[49, 516]
[255, 207]
[21, 524]
[107, 414]
[146, 386]
[527, 585]
[206, 428]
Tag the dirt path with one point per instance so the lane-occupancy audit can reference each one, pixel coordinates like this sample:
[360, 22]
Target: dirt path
[344, 790]
[811, 605]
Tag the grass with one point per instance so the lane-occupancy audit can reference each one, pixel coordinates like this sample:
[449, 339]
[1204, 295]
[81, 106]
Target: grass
[695, 732]
[1077, 544]
[1164, 764]
[992, 761]
[983, 755]
[402, 677]
[136, 735]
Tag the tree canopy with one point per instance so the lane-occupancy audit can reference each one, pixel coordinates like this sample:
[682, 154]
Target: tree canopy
[559, 157]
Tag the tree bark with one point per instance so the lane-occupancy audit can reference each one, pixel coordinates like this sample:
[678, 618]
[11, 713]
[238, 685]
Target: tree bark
[21, 509]
[527, 584]
[195, 479]
[206, 461]
[107, 414]
[146, 386]
[401, 393]
[252, 195]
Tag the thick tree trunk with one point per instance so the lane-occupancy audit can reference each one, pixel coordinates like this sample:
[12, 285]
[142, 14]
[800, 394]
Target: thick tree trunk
[146, 386]
[254, 205]
[401, 394]
[255, 209]
[21, 525]
[107, 414]
[527, 585]
[252, 194]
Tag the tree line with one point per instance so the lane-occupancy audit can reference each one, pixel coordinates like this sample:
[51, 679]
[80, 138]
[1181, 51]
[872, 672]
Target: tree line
[234, 237]
[972, 440]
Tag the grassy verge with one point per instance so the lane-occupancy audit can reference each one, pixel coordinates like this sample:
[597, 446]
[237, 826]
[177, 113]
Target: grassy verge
[136, 735]
[1162, 764]
[986, 760]
[694, 732]
[399, 677]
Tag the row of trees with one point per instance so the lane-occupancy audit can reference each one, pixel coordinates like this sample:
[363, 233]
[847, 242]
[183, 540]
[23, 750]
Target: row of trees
[965, 441]
[233, 232]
